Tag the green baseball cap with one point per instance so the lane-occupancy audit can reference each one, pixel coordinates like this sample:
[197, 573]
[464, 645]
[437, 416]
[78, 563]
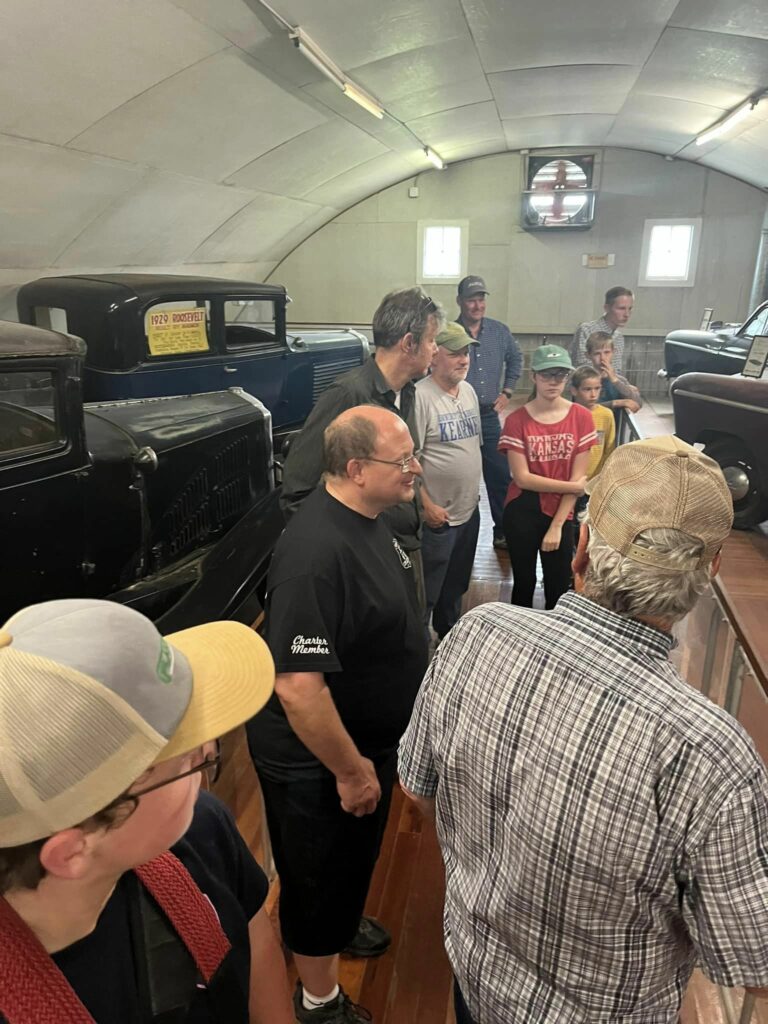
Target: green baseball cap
[454, 338]
[550, 357]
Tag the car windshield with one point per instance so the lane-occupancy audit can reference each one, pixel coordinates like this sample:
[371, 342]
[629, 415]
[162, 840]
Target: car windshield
[27, 411]
[757, 324]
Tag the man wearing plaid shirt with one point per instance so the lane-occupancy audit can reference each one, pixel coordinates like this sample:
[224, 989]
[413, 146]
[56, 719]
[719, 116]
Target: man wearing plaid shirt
[604, 826]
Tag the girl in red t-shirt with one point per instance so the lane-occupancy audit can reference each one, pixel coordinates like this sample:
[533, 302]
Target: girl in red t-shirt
[547, 442]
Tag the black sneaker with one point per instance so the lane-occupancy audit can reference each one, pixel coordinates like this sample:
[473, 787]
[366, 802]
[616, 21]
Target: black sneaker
[339, 1011]
[500, 543]
[372, 939]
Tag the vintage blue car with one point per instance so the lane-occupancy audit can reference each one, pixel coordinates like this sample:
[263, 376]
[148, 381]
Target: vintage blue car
[152, 335]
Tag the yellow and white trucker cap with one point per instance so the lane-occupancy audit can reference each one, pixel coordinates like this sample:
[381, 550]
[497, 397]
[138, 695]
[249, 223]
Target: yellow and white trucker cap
[660, 482]
[91, 695]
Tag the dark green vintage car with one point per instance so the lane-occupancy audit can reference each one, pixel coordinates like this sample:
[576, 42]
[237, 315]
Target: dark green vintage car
[165, 504]
[729, 416]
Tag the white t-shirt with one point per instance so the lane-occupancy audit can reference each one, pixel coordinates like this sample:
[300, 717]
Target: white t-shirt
[449, 435]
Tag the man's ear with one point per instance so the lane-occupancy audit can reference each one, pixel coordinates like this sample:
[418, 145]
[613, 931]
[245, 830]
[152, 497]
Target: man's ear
[355, 469]
[581, 558]
[408, 343]
[714, 567]
[67, 854]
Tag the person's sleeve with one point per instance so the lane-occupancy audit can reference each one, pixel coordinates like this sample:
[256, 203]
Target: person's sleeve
[513, 361]
[579, 345]
[618, 353]
[415, 761]
[586, 436]
[420, 420]
[627, 390]
[610, 436]
[512, 435]
[216, 838]
[725, 891]
[305, 463]
[301, 624]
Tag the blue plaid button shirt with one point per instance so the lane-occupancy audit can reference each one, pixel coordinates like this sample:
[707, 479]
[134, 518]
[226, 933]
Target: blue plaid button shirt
[603, 825]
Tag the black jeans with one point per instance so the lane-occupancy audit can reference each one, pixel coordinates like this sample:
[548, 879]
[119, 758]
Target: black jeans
[325, 857]
[524, 528]
[462, 1013]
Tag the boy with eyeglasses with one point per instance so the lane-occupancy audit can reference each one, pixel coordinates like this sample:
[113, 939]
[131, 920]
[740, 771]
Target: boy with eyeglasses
[125, 894]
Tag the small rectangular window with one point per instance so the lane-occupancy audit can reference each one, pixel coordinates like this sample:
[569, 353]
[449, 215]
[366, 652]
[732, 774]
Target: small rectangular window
[249, 322]
[52, 318]
[669, 253]
[29, 415]
[442, 251]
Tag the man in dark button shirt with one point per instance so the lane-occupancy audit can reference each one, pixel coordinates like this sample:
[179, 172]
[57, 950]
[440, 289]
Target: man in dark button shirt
[404, 329]
[105, 733]
[350, 649]
[495, 365]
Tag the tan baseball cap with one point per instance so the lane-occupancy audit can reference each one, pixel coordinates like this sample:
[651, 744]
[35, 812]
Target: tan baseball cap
[660, 482]
[91, 695]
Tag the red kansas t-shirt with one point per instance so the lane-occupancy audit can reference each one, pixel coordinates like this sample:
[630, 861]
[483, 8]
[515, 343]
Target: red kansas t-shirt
[549, 448]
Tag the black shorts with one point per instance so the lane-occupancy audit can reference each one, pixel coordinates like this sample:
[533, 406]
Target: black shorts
[324, 857]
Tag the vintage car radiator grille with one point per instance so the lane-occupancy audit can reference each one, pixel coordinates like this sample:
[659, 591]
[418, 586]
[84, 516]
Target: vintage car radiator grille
[189, 517]
[326, 373]
[210, 499]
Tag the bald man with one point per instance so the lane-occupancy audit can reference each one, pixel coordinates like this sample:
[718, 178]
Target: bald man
[346, 633]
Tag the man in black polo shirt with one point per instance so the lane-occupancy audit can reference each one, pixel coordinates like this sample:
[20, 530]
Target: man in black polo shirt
[404, 329]
[347, 636]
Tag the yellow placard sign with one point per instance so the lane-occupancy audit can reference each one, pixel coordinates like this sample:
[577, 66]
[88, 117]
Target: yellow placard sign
[176, 331]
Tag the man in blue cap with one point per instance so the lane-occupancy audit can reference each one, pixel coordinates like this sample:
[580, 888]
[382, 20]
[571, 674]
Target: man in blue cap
[495, 365]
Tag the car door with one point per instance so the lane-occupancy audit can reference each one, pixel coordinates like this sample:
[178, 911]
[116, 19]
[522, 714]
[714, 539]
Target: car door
[42, 469]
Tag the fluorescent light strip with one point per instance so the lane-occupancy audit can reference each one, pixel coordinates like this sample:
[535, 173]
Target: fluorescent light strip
[323, 63]
[315, 56]
[363, 99]
[309, 49]
[728, 122]
[434, 158]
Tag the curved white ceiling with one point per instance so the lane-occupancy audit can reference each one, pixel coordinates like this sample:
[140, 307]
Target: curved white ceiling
[186, 132]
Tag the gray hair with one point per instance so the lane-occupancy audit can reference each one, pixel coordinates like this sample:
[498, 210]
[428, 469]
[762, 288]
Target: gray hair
[353, 438]
[403, 311]
[638, 590]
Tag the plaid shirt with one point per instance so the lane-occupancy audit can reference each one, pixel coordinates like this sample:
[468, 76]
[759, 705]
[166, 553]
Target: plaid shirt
[495, 363]
[603, 825]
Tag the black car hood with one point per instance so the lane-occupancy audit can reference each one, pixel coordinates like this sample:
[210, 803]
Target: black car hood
[724, 339]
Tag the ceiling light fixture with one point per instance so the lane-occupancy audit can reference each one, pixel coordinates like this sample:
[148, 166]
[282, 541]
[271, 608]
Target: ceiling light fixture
[434, 158]
[309, 49]
[316, 56]
[366, 101]
[729, 121]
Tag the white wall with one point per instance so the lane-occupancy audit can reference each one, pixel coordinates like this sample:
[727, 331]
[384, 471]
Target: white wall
[537, 281]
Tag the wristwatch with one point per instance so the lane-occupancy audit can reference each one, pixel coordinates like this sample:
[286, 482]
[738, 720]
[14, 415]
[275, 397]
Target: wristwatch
[507, 391]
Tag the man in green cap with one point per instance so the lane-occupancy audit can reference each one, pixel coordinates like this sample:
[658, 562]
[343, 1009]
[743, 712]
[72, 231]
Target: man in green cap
[449, 436]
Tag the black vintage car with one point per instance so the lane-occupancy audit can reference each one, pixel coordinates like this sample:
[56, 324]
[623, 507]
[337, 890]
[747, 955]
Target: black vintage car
[722, 349]
[149, 335]
[729, 416]
[167, 504]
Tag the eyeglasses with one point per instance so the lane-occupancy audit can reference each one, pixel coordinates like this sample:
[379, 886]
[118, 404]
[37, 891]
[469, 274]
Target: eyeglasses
[210, 767]
[557, 375]
[428, 306]
[404, 463]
